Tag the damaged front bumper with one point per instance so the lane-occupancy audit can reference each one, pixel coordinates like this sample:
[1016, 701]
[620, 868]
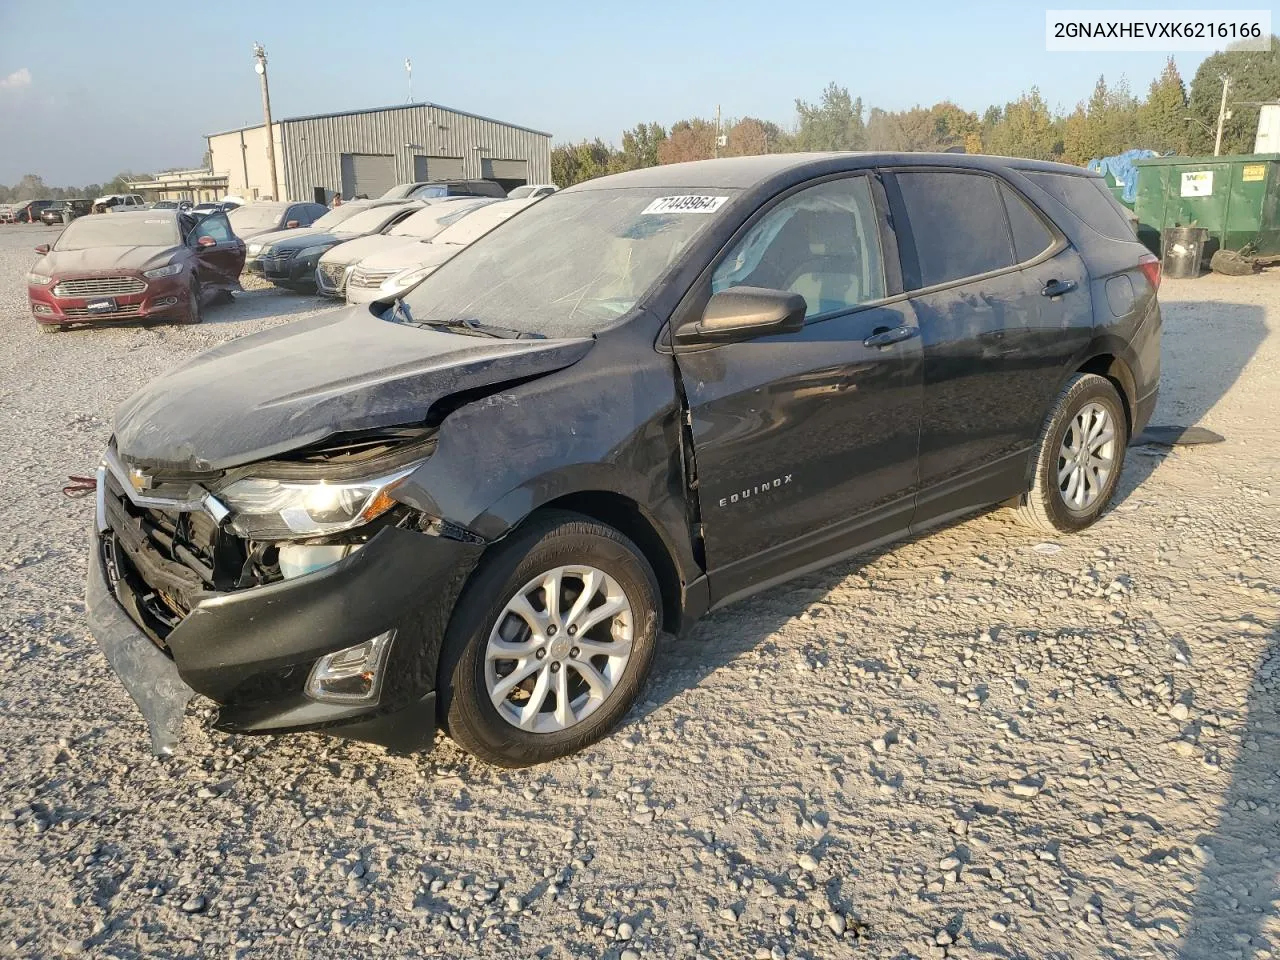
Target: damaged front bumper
[251, 650]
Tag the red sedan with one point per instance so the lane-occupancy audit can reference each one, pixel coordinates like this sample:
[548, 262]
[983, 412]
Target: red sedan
[153, 264]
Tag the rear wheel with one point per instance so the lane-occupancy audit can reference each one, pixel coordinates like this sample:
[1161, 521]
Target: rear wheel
[1081, 454]
[550, 643]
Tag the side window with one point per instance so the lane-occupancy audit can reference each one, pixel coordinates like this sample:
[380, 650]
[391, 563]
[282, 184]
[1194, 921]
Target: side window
[1030, 236]
[215, 225]
[1089, 199]
[822, 243]
[958, 224]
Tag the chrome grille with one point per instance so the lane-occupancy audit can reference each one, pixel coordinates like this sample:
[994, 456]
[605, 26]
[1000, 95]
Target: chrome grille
[370, 278]
[99, 287]
[278, 256]
[123, 310]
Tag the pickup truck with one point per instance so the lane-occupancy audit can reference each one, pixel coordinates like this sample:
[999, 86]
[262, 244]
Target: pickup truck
[118, 202]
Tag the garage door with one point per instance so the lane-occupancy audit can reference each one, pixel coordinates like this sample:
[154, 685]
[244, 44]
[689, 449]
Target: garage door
[367, 174]
[437, 168]
[505, 170]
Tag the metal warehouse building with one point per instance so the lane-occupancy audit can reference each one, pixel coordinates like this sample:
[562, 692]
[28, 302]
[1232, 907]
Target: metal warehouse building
[366, 152]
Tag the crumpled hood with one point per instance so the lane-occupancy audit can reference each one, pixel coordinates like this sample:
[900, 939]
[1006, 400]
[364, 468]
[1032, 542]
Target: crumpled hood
[361, 247]
[292, 386]
[104, 260]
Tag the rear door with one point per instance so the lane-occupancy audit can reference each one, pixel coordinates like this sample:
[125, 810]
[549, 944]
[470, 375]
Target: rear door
[1003, 305]
[805, 443]
[219, 252]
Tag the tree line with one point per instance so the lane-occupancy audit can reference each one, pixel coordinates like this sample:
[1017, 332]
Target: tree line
[33, 187]
[1170, 119]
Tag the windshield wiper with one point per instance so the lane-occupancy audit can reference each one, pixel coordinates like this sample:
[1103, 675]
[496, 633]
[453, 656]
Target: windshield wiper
[471, 325]
[401, 310]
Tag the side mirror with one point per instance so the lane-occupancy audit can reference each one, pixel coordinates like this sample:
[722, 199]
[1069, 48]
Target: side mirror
[42, 249]
[206, 241]
[743, 313]
[291, 224]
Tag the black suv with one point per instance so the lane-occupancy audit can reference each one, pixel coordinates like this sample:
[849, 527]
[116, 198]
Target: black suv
[64, 211]
[644, 397]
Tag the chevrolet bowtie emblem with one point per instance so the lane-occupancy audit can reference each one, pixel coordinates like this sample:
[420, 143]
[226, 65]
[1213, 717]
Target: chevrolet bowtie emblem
[139, 480]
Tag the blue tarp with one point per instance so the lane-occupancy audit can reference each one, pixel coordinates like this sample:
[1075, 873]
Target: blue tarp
[1123, 171]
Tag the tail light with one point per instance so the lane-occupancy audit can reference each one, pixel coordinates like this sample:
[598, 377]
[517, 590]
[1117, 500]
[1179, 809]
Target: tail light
[1150, 265]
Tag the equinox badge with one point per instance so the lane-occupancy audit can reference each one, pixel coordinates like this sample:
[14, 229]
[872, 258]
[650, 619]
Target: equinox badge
[756, 490]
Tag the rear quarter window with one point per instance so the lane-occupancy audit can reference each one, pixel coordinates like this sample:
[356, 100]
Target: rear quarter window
[1089, 199]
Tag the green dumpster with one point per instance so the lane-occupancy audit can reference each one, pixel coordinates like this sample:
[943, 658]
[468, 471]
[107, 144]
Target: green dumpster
[1237, 199]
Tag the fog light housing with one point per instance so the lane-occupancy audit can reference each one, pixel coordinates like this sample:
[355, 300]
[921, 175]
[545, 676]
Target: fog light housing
[298, 559]
[351, 675]
[43, 308]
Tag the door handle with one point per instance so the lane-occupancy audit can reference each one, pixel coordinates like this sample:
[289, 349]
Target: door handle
[884, 337]
[1056, 287]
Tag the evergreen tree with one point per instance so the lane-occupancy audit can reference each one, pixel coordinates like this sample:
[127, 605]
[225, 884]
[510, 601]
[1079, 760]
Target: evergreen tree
[1162, 123]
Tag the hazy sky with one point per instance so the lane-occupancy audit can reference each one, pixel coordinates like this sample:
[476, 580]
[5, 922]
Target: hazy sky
[90, 89]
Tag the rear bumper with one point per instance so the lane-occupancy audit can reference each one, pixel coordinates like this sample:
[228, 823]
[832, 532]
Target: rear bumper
[252, 650]
[1143, 410]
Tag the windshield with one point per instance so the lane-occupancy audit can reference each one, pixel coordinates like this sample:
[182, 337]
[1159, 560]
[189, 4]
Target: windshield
[119, 231]
[519, 193]
[336, 216]
[253, 217]
[569, 265]
[427, 223]
[366, 221]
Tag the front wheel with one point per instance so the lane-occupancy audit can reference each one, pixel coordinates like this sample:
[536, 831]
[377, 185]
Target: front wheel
[193, 303]
[550, 643]
[1081, 454]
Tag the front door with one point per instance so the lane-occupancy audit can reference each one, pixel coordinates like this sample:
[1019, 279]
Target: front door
[220, 261]
[805, 443]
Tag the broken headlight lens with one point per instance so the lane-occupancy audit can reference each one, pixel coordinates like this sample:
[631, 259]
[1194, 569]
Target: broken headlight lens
[263, 509]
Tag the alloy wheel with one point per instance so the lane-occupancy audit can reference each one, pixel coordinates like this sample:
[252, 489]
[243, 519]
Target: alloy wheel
[559, 649]
[1086, 457]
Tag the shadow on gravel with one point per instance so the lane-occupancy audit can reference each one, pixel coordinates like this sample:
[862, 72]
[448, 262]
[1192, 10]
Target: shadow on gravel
[1206, 346]
[1237, 893]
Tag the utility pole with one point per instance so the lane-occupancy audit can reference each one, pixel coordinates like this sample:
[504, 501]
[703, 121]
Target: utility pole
[1222, 115]
[408, 68]
[717, 130]
[260, 67]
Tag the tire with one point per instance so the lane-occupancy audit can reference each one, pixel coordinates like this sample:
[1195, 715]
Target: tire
[193, 306]
[1061, 507]
[1229, 263]
[550, 542]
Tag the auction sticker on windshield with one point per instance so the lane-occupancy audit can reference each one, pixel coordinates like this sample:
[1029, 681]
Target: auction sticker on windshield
[688, 204]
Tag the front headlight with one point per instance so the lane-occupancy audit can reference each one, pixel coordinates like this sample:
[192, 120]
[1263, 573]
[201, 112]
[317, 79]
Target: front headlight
[405, 279]
[316, 250]
[39, 279]
[172, 270]
[253, 249]
[263, 509]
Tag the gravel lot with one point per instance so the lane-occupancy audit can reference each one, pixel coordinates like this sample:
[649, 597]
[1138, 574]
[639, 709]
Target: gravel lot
[972, 744]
